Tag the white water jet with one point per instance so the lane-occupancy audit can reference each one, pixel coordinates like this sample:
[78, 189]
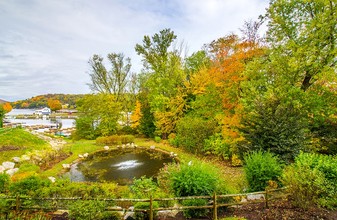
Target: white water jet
[127, 164]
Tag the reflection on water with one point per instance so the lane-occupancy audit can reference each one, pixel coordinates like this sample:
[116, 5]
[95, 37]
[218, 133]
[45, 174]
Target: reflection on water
[119, 166]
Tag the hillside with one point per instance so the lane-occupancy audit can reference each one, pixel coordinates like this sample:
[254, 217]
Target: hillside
[41, 101]
[2, 101]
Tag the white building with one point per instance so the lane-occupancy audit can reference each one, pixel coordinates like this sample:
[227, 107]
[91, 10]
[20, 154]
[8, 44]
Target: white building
[44, 111]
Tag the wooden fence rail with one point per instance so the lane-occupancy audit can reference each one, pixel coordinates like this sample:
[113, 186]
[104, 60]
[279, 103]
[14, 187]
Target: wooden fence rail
[215, 201]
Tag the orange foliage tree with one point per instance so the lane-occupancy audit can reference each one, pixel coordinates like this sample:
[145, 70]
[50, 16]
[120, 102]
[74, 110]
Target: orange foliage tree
[54, 104]
[7, 107]
[230, 56]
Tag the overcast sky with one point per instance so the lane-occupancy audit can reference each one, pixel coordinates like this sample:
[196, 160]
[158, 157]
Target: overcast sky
[45, 45]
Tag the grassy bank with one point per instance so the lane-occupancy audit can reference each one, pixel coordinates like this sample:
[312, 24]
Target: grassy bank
[74, 149]
[15, 142]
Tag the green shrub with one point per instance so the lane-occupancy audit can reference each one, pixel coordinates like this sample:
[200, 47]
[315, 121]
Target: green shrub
[194, 179]
[143, 187]
[195, 213]
[87, 209]
[29, 186]
[144, 205]
[4, 182]
[311, 180]
[157, 139]
[172, 139]
[115, 139]
[261, 167]
[192, 131]
[217, 146]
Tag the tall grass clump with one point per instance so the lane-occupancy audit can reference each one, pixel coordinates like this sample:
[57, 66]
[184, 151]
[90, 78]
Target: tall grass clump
[192, 179]
[260, 168]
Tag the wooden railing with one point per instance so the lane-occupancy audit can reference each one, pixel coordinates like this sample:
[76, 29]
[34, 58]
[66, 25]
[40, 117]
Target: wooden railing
[214, 202]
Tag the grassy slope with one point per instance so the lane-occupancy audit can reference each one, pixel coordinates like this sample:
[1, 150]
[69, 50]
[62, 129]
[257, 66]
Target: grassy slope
[20, 140]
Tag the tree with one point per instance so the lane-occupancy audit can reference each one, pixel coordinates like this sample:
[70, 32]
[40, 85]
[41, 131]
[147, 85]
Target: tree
[54, 104]
[303, 36]
[163, 75]
[7, 107]
[276, 123]
[110, 82]
[100, 115]
[288, 101]
[136, 116]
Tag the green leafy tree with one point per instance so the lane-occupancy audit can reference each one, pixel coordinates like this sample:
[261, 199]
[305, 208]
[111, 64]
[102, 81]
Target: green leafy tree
[100, 114]
[163, 74]
[303, 37]
[113, 81]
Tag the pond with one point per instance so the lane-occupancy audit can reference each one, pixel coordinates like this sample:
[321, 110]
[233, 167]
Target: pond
[121, 166]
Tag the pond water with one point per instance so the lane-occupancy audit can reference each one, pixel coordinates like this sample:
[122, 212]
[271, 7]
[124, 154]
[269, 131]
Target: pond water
[120, 166]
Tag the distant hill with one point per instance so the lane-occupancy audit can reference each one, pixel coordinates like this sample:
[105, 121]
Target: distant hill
[42, 101]
[2, 101]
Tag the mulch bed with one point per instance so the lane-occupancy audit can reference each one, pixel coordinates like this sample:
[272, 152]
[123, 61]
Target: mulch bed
[9, 148]
[279, 210]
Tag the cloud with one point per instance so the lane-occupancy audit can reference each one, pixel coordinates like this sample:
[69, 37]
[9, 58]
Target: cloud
[45, 45]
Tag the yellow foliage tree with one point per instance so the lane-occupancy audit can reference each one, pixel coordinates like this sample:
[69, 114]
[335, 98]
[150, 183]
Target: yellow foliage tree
[54, 104]
[136, 115]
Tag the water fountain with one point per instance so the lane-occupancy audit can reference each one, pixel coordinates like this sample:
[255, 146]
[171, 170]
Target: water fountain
[119, 165]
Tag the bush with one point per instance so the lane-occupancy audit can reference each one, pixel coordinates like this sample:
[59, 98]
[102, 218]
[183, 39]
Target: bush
[311, 180]
[115, 139]
[217, 146]
[157, 139]
[192, 131]
[195, 179]
[260, 167]
[195, 213]
[29, 186]
[145, 188]
[88, 209]
[172, 139]
[4, 182]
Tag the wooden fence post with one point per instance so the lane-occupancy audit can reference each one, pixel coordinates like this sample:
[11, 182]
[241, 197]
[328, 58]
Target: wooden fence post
[215, 207]
[266, 199]
[17, 203]
[151, 208]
